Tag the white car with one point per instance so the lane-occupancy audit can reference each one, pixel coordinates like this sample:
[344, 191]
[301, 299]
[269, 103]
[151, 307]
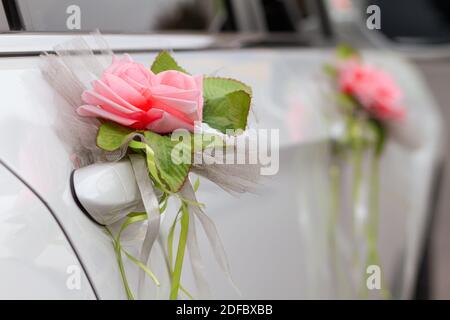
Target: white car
[275, 240]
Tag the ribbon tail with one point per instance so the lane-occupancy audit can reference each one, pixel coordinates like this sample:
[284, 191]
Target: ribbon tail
[196, 260]
[211, 233]
[151, 206]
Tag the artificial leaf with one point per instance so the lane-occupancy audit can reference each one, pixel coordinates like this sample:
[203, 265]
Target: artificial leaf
[347, 102]
[228, 112]
[171, 173]
[111, 136]
[380, 133]
[214, 87]
[345, 52]
[164, 61]
[330, 70]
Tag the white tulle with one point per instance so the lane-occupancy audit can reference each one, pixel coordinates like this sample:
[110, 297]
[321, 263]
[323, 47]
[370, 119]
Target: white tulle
[69, 71]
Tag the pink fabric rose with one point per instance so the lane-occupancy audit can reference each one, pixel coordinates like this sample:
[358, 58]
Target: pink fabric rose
[374, 89]
[133, 96]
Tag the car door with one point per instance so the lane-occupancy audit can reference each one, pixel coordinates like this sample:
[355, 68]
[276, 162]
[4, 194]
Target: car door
[37, 259]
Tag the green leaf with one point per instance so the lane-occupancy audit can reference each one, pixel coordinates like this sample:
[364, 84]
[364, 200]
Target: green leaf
[227, 103]
[345, 51]
[214, 88]
[164, 62]
[228, 112]
[111, 136]
[347, 103]
[380, 133]
[330, 70]
[171, 173]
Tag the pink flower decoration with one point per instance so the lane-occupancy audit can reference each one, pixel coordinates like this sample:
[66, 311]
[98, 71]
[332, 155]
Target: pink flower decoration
[374, 89]
[133, 96]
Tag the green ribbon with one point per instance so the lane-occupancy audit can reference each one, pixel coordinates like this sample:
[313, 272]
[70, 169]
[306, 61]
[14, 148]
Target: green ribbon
[175, 269]
[133, 217]
[176, 274]
[170, 252]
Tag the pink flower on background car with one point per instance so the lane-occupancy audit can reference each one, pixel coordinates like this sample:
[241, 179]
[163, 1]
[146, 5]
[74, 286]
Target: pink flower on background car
[373, 88]
[133, 96]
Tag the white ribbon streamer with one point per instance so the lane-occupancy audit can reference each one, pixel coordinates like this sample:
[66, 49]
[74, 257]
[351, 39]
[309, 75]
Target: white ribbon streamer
[211, 233]
[196, 259]
[151, 206]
